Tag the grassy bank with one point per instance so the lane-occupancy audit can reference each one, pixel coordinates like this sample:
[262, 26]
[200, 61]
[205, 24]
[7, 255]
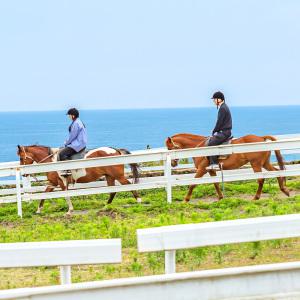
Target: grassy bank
[94, 219]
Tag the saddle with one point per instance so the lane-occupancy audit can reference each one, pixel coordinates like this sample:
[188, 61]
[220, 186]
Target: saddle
[79, 155]
[74, 173]
[227, 142]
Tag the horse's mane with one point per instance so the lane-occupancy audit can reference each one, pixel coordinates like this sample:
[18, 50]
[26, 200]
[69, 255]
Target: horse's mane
[41, 146]
[188, 135]
[34, 146]
[37, 145]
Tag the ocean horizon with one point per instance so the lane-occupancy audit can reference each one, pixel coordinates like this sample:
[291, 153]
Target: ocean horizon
[151, 108]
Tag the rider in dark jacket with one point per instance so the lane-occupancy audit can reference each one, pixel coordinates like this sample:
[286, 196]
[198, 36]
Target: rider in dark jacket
[222, 130]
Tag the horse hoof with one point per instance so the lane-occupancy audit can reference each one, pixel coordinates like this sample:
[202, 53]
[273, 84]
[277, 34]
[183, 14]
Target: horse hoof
[68, 214]
[139, 200]
[38, 212]
[186, 200]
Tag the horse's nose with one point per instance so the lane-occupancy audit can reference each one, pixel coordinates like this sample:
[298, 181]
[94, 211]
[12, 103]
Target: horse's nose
[174, 163]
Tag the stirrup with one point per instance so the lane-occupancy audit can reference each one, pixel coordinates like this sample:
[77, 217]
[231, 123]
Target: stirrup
[66, 173]
[213, 167]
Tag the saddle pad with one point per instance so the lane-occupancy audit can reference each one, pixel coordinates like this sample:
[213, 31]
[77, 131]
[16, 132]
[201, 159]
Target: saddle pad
[224, 143]
[79, 155]
[78, 173]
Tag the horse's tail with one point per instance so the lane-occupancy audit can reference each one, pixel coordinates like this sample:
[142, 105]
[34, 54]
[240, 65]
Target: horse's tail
[277, 152]
[133, 166]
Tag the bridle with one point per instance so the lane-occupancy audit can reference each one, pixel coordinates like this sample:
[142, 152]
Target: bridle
[175, 147]
[25, 155]
[30, 157]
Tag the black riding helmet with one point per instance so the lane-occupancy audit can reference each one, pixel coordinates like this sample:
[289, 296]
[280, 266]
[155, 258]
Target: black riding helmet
[73, 112]
[218, 95]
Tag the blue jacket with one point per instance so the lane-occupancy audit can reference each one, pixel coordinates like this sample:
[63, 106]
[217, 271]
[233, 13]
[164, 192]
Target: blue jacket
[78, 137]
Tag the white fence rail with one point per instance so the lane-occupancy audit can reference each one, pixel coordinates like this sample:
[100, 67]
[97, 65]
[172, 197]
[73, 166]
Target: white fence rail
[62, 253]
[273, 281]
[172, 238]
[168, 180]
[267, 282]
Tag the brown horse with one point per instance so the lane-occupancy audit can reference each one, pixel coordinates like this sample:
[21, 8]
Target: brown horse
[257, 160]
[43, 154]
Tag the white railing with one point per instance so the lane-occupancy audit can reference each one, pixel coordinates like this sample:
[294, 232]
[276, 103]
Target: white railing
[172, 238]
[63, 254]
[263, 282]
[273, 281]
[167, 181]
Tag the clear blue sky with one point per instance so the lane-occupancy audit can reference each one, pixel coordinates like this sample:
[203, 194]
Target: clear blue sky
[157, 53]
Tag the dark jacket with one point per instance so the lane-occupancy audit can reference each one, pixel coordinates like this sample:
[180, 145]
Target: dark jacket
[224, 122]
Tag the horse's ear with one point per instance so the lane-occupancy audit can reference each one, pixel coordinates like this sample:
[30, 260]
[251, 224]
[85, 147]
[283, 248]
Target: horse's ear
[19, 149]
[168, 142]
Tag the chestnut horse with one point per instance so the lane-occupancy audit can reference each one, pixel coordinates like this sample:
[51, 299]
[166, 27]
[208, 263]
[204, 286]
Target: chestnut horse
[43, 154]
[257, 160]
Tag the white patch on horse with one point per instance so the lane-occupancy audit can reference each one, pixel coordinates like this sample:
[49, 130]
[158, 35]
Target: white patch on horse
[78, 173]
[107, 150]
[55, 154]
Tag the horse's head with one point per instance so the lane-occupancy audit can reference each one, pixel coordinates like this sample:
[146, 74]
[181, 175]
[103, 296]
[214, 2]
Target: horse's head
[172, 145]
[34, 153]
[26, 157]
[183, 141]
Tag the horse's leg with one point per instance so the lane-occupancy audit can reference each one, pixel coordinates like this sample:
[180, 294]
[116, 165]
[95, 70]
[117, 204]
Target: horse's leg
[124, 181]
[217, 185]
[257, 168]
[71, 208]
[268, 166]
[110, 182]
[200, 172]
[64, 186]
[42, 201]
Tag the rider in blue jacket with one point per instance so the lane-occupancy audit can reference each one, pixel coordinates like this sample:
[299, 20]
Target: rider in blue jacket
[77, 136]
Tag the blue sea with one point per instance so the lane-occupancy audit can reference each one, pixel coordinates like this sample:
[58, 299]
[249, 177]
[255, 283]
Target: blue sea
[135, 129]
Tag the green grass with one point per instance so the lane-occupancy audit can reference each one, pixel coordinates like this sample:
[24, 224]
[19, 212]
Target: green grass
[93, 218]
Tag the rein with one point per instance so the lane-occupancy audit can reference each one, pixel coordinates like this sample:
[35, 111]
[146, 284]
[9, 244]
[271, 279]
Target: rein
[45, 158]
[176, 146]
[38, 162]
[28, 156]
